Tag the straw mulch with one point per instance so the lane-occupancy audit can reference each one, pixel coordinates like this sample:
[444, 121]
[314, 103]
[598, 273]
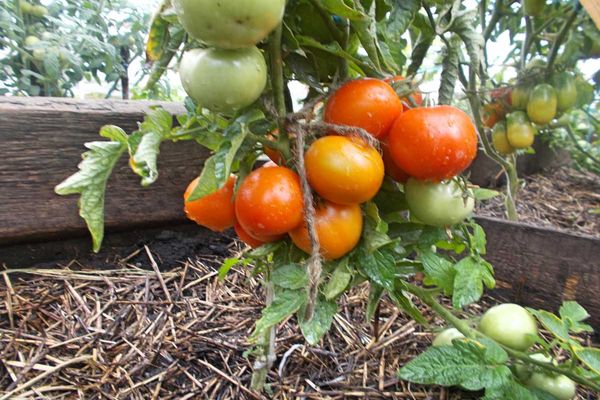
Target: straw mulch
[563, 198]
[127, 333]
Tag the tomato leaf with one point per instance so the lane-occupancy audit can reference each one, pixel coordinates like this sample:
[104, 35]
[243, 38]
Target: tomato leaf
[466, 363]
[573, 314]
[158, 36]
[590, 356]
[482, 194]
[290, 276]
[317, 327]
[510, 390]
[285, 303]
[90, 181]
[449, 71]
[339, 7]
[339, 280]
[379, 266]
[400, 17]
[438, 270]
[422, 44]
[227, 265]
[551, 322]
[405, 303]
[375, 293]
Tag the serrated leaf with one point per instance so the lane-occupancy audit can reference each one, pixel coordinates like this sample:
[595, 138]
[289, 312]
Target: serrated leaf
[91, 180]
[468, 285]
[438, 270]
[465, 363]
[317, 327]
[478, 239]
[155, 128]
[551, 322]
[464, 25]
[510, 390]
[339, 7]
[366, 30]
[449, 76]
[158, 36]
[573, 314]
[207, 183]
[379, 266]
[402, 301]
[375, 293]
[285, 303]
[339, 280]
[290, 276]
[590, 356]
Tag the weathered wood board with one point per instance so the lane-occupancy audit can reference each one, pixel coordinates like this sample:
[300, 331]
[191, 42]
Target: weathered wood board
[41, 141]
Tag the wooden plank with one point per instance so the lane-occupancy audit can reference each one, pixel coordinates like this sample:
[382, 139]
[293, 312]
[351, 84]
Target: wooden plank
[541, 267]
[41, 141]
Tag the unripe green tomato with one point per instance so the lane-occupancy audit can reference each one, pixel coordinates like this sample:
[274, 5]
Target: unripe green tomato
[533, 8]
[523, 372]
[31, 41]
[25, 7]
[39, 11]
[47, 35]
[560, 387]
[64, 55]
[541, 107]
[229, 24]
[39, 54]
[438, 203]
[519, 131]
[223, 80]
[511, 325]
[445, 337]
[500, 140]
[566, 91]
[519, 97]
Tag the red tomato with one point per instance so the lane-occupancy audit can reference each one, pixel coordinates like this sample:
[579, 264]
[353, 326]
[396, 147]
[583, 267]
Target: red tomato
[367, 103]
[433, 143]
[215, 211]
[269, 202]
[338, 228]
[344, 170]
[251, 241]
[391, 169]
[502, 94]
[416, 96]
[492, 113]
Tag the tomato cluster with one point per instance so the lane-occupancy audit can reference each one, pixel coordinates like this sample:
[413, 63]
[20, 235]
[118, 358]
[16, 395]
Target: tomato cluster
[231, 73]
[530, 106]
[422, 147]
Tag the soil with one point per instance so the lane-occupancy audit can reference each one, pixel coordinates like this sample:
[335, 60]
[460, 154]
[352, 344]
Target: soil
[563, 198]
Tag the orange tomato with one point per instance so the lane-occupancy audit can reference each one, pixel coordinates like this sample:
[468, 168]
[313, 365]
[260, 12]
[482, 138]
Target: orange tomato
[269, 202]
[215, 211]
[492, 113]
[252, 241]
[344, 170]
[416, 96]
[391, 169]
[338, 228]
[368, 103]
[433, 143]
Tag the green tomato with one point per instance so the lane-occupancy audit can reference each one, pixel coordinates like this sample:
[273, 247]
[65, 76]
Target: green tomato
[223, 80]
[500, 140]
[229, 24]
[445, 337]
[519, 131]
[566, 91]
[559, 386]
[39, 11]
[39, 54]
[533, 8]
[25, 7]
[510, 325]
[519, 97]
[31, 41]
[542, 104]
[523, 372]
[47, 35]
[438, 204]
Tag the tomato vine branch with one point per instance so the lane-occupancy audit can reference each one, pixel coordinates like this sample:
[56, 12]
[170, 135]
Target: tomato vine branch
[561, 37]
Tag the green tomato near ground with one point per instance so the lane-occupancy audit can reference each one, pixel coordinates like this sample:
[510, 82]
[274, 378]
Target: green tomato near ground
[445, 337]
[229, 24]
[438, 203]
[542, 104]
[500, 139]
[566, 91]
[39, 11]
[533, 8]
[523, 372]
[511, 325]
[223, 80]
[519, 131]
[31, 41]
[560, 387]
[519, 97]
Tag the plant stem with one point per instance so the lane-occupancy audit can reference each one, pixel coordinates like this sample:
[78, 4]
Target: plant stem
[278, 86]
[496, 14]
[469, 332]
[264, 362]
[527, 42]
[561, 37]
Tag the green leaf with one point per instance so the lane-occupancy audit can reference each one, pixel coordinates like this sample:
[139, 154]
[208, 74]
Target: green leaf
[339, 7]
[438, 270]
[573, 314]
[290, 276]
[482, 194]
[379, 266]
[366, 30]
[478, 239]
[551, 322]
[510, 390]
[468, 285]
[464, 24]
[90, 181]
[317, 327]
[590, 356]
[465, 363]
[207, 183]
[407, 305]
[285, 303]
[449, 71]
[339, 280]
[227, 265]
[375, 293]
[158, 36]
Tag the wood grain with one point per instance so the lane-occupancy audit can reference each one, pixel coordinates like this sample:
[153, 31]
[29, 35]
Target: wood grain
[41, 144]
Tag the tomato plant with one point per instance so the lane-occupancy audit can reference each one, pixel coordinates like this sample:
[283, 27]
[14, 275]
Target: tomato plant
[433, 142]
[511, 325]
[541, 106]
[215, 211]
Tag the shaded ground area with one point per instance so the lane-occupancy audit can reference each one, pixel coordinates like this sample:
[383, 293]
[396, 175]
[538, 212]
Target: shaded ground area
[563, 198]
[122, 332]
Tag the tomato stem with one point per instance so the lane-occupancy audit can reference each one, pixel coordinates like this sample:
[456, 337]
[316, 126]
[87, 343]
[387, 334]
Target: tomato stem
[278, 87]
[561, 36]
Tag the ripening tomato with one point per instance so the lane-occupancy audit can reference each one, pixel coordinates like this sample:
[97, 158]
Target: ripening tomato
[338, 229]
[344, 170]
[492, 113]
[566, 91]
[500, 140]
[391, 169]
[519, 97]
[519, 131]
[433, 143]
[541, 107]
[269, 202]
[273, 154]
[252, 241]
[367, 103]
[510, 325]
[215, 211]
[502, 94]
[415, 96]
